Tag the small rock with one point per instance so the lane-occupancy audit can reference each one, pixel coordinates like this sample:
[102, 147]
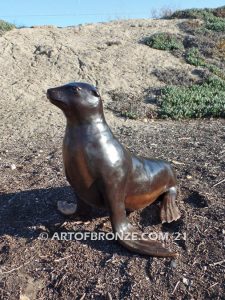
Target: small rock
[185, 281]
[189, 176]
[112, 43]
[24, 297]
[13, 167]
[66, 208]
[173, 264]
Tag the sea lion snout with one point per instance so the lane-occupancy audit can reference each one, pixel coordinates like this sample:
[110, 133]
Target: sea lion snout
[49, 93]
[54, 94]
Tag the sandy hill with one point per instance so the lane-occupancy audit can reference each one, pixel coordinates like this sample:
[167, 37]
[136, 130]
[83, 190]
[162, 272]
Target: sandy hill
[109, 55]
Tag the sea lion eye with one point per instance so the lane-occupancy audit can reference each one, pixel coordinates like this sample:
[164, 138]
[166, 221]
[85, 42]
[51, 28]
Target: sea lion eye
[76, 89]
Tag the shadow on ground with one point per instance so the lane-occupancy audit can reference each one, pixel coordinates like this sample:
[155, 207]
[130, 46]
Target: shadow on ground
[22, 212]
[29, 213]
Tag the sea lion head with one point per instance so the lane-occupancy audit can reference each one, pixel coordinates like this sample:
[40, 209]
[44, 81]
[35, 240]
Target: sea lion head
[77, 100]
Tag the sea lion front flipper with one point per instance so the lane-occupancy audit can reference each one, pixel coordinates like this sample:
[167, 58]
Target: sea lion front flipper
[126, 234]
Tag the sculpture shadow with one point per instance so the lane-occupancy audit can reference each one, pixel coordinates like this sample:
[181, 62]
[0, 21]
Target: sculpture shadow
[150, 215]
[26, 214]
[22, 212]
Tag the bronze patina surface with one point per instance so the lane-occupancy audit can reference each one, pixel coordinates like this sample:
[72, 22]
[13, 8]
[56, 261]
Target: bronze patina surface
[105, 174]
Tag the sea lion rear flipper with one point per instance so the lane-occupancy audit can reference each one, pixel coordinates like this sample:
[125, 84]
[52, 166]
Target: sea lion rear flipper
[147, 246]
[169, 211]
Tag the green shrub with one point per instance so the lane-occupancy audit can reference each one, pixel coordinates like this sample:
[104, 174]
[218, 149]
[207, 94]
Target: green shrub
[214, 18]
[215, 70]
[5, 26]
[192, 14]
[215, 24]
[163, 41]
[129, 114]
[193, 57]
[196, 101]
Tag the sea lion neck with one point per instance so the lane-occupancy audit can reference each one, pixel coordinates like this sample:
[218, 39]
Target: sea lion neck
[92, 120]
[90, 125]
[85, 115]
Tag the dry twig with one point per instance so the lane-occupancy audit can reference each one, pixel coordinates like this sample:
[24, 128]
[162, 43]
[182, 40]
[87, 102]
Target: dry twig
[219, 182]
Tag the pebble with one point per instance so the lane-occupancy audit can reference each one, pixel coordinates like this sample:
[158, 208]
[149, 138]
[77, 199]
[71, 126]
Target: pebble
[185, 281]
[66, 208]
[13, 167]
[24, 297]
[173, 264]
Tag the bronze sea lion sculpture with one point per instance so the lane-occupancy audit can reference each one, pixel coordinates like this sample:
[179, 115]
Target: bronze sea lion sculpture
[105, 174]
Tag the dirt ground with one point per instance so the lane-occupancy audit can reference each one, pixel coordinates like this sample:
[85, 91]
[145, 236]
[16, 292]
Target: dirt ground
[34, 266]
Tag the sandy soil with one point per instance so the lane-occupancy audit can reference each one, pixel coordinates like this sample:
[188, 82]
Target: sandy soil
[111, 56]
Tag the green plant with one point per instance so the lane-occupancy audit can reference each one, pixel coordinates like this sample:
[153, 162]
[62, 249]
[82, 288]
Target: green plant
[192, 14]
[215, 70]
[163, 41]
[193, 57]
[5, 26]
[215, 23]
[213, 18]
[129, 115]
[196, 101]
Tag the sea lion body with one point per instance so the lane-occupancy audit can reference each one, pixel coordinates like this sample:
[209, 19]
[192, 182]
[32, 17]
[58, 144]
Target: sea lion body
[105, 174]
